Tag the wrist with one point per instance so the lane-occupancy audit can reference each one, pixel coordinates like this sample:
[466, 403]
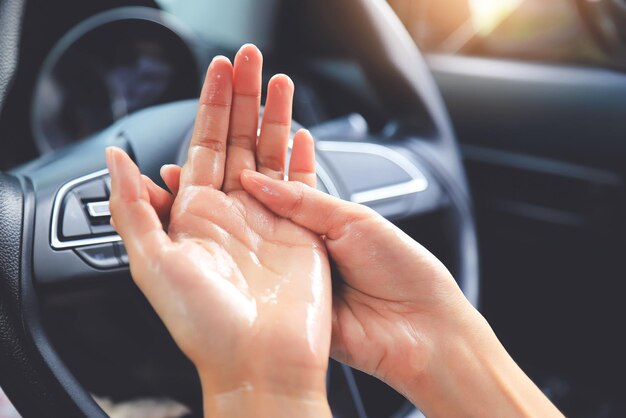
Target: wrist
[252, 401]
[471, 374]
[277, 392]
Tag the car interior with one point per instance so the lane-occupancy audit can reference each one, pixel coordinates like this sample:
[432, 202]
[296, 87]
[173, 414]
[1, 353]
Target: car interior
[493, 132]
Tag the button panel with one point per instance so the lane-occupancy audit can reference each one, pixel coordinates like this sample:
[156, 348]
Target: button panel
[123, 255]
[81, 215]
[75, 223]
[102, 256]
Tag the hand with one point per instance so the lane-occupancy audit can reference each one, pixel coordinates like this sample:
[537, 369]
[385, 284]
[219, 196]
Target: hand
[244, 292]
[396, 297]
[399, 315]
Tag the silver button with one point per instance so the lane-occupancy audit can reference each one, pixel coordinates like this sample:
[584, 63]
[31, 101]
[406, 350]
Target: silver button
[98, 209]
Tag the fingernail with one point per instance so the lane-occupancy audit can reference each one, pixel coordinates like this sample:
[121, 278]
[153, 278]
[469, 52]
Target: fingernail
[255, 177]
[109, 159]
[125, 180]
[263, 183]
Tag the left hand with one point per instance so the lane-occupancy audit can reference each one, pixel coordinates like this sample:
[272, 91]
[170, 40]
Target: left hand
[245, 293]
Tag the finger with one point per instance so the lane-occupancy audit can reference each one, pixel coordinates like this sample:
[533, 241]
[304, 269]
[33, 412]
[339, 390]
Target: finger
[275, 127]
[170, 173]
[135, 219]
[161, 200]
[306, 206]
[207, 149]
[244, 117]
[302, 161]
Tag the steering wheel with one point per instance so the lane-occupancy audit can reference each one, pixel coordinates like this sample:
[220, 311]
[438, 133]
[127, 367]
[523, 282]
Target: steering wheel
[54, 231]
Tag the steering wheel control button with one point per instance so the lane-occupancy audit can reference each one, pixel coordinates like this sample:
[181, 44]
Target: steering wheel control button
[91, 190]
[81, 215]
[101, 256]
[123, 255]
[98, 209]
[375, 175]
[75, 222]
[104, 228]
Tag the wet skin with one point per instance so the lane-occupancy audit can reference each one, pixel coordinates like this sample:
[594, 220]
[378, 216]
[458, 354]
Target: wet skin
[241, 277]
[244, 292]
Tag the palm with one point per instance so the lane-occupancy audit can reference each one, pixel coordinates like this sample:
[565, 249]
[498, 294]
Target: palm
[396, 292]
[273, 272]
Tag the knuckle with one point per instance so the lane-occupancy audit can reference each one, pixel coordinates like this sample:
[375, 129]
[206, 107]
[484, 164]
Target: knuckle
[242, 140]
[298, 200]
[211, 144]
[211, 103]
[346, 216]
[272, 162]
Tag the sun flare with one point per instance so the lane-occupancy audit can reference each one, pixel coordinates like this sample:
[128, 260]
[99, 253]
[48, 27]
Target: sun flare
[487, 14]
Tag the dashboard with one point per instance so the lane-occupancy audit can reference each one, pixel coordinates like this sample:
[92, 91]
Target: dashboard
[85, 65]
[107, 67]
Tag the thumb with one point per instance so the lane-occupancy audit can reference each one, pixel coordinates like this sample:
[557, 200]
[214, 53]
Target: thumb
[304, 205]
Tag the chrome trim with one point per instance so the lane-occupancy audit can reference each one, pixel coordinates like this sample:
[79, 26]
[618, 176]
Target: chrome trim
[326, 180]
[56, 209]
[389, 192]
[99, 209]
[418, 184]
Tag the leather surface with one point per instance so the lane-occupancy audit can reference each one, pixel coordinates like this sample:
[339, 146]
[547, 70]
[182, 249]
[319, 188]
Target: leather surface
[25, 377]
[14, 364]
[10, 25]
[17, 377]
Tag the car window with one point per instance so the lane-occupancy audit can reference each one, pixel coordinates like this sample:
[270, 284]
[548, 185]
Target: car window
[524, 29]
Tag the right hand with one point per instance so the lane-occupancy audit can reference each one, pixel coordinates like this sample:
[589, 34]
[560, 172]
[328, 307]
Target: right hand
[397, 305]
[398, 314]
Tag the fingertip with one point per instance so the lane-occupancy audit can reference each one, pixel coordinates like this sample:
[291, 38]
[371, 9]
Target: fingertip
[108, 158]
[170, 173]
[249, 51]
[249, 175]
[302, 157]
[281, 83]
[168, 168]
[254, 181]
[113, 155]
[220, 61]
[219, 68]
[125, 176]
[303, 137]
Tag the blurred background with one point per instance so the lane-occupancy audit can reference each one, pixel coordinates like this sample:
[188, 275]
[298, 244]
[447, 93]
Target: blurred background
[551, 31]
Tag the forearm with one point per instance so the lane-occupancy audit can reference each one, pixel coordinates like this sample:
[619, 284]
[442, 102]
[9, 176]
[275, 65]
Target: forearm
[471, 374]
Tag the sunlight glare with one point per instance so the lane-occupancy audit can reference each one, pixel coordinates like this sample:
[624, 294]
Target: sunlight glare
[487, 14]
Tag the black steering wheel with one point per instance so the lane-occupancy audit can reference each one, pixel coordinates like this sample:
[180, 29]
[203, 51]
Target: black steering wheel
[54, 232]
